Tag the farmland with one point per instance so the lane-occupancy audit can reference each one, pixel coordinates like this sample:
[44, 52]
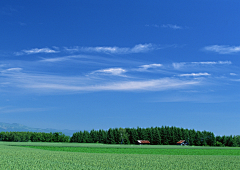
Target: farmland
[100, 156]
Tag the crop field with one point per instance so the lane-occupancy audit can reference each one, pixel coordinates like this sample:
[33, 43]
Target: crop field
[30, 155]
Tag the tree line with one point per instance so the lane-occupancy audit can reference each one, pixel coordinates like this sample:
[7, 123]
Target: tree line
[34, 137]
[164, 135]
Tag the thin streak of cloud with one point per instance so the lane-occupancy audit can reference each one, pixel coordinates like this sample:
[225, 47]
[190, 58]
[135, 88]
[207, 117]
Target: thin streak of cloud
[175, 27]
[151, 66]
[148, 66]
[17, 69]
[153, 25]
[178, 65]
[140, 48]
[112, 71]
[65, 58]
[40, 50]
[185, 64]
[147, 85]
[52, 83]
[36, 51]
[212, 62]
[171, 26]
[194, 74]
[233, 74]
[223, 49]
[238, 80]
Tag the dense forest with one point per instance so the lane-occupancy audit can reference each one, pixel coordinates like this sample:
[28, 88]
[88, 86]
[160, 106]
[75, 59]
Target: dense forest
[156, 135]
[164, 135]
[33, 137]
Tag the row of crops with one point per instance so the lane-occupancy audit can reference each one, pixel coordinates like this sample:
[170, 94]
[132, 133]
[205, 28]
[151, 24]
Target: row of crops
[17, 157]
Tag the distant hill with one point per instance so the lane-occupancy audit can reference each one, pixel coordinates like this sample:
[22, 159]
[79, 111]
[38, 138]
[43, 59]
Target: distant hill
[7, 127]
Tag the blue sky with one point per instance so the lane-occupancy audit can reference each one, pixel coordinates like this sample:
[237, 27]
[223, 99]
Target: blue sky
[103, 64]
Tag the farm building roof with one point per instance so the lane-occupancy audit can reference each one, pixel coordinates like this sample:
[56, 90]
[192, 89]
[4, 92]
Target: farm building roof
[181, 141]
[143, 141]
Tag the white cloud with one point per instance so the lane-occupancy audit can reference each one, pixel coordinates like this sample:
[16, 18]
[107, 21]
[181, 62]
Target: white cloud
[178, 65]
[147, 85]
[17, 69]
[213, 62]
[185, 64]
[223, 49]
[113, 71]
[233, 74]
[171, 26]
[153, 25]
[65, 58]
[238, 80]
[148, 66]
[194, 74]
[142, 48]
[114, 50]
[224, 62]
[56, 59]
[36, 51]
[52, 83]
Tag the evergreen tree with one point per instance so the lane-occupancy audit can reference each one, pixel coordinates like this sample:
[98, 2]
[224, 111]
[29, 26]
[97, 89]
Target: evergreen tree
[85, 136]
[110, 137]
[139, 132]
[224, 140]
[100, 136]
[197, 140]
[180, 135]
[144, 134]
[124, 136]
[230, 141]
[156, 137]
[213, 140]
[93, 136]
[235, 144]
[150, 134]
[133, 136]
[192, 136]
[238, 140]
[164, 136]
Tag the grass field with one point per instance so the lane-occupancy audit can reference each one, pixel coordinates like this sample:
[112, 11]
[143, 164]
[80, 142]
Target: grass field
[99, 156]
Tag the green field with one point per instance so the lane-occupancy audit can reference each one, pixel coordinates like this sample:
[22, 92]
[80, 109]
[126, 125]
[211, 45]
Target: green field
[100, 156]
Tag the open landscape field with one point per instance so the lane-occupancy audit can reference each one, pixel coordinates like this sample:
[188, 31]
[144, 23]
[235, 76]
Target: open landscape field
[33, 155]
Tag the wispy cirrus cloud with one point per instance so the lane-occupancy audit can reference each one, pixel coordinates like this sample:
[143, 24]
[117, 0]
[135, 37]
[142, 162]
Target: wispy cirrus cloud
[223, 49]
[178, 65]
[188, 64]
[171, 26]
[64, 58]
[175, 27]
[147, 85]
[36, 51]
[12, 69]
[194, 74]
[56, 83]
[233, 74]
[140, 48]
[148, 66]
[111, 71]
[212, 62]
